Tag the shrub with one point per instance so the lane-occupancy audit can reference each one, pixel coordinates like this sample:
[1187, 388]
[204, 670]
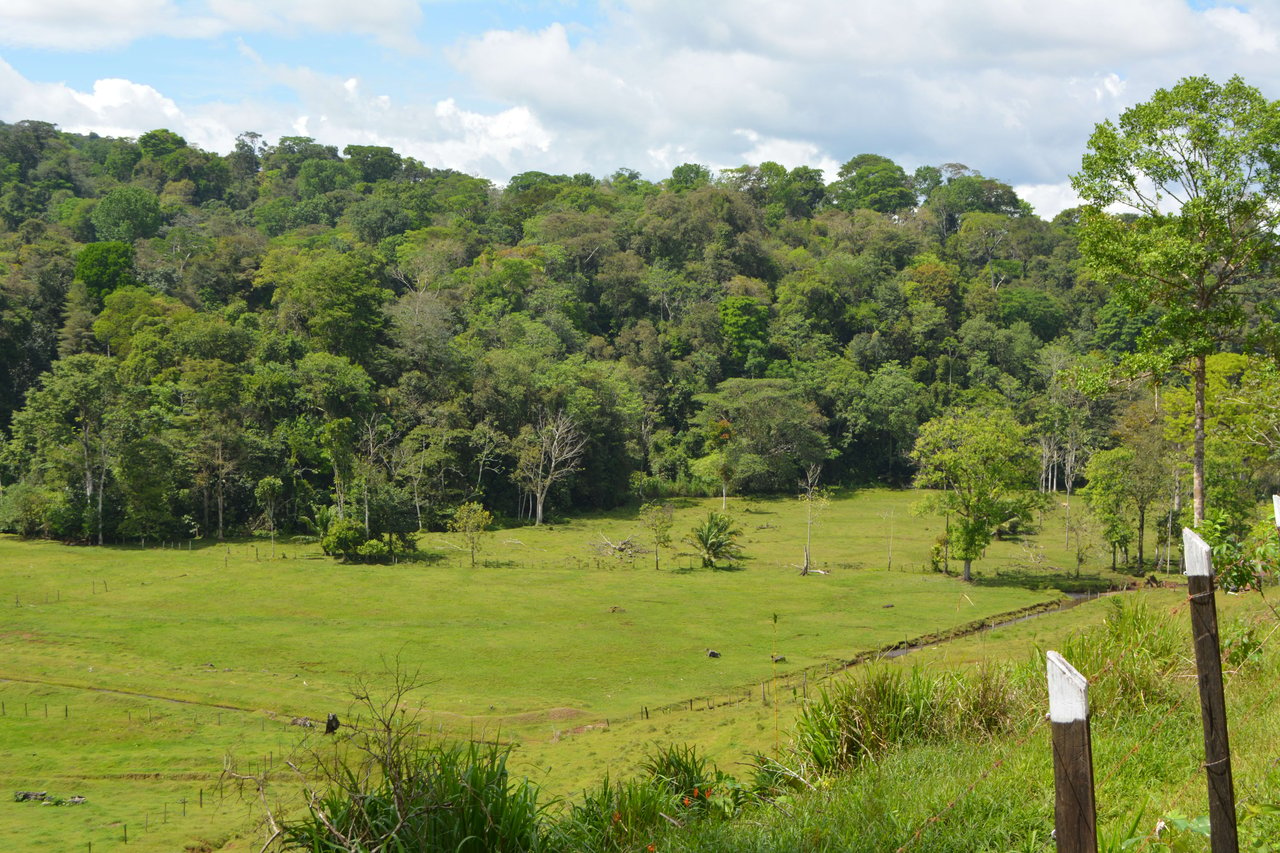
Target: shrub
[455, 798]
[373, 551]
[629, 815]
[343, 538]
[614, 816]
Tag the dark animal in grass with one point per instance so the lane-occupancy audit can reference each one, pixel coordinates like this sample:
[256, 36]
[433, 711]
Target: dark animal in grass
[331, 724]
[778, 658]
[712, 653]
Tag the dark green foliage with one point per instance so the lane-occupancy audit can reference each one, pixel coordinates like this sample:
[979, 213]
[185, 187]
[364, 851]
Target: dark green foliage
[160, 143]
[872, 182]
[381, 335]
[103, 267]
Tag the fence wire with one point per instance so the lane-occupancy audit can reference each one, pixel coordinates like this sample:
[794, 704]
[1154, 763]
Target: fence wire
[1033, 730]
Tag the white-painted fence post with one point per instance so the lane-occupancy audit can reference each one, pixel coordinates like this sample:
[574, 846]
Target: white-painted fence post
[1213, 705]
[1075, 813]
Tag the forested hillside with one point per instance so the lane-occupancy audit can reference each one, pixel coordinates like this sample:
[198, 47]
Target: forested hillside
[292, 336]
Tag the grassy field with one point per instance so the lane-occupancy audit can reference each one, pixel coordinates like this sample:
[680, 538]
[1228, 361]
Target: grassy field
[129, 676]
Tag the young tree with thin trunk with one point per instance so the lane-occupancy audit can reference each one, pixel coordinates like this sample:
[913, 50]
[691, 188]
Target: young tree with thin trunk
[657, 519]
[268, 491]
[1200, 166]
[471, 520]
[815, 501]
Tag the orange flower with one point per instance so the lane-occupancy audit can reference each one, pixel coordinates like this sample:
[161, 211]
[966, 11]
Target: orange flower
[686, 801]
[650, 848]
[695, 793]
[617, 817]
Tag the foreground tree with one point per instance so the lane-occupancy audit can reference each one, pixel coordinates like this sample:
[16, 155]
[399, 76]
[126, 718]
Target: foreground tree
[983, 462]
[759, 434]
[1200, 166]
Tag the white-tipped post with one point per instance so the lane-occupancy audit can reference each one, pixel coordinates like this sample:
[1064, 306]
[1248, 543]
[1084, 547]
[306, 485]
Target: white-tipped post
[1068, 691]
[1275, 508]
[1197, 554]
[1074, 811]
[1213, 706]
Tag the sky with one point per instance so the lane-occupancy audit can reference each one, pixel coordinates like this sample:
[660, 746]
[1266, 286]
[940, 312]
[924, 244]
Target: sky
[1012, 89]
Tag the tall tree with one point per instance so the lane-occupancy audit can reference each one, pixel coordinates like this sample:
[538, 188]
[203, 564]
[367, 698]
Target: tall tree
[873, 182]
[66, 425]
[1200, 166]
[548, 452]
[759, 433]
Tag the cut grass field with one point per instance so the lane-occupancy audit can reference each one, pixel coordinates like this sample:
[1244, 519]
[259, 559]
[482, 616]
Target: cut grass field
[129, 675]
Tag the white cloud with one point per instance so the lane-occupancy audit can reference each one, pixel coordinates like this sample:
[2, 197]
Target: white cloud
[83, 24]
[787, 152]
[1251, 34]
[114, 107]
[390, 22]
[1048, 200]
[1011, 89]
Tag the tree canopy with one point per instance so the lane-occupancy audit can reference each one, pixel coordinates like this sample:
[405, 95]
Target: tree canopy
[346, 341]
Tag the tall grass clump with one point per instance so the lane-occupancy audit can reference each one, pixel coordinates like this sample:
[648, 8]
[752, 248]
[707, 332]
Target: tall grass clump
[385, 789]
[677, 786]
[1129, 658]
[457, 798]
[884, 707]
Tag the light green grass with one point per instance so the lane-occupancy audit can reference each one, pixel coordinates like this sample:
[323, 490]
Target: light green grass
[157, 663]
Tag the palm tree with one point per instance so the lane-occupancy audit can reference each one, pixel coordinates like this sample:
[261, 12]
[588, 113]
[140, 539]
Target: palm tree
[715, 539]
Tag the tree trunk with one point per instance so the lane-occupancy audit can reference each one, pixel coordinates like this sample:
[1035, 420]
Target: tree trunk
[102, 487]
[967, 576]
[1197, 475]
[1142, 531]
[538, 518]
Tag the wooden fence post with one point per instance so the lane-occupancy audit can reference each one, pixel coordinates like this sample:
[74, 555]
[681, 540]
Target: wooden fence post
[1213, 706]
[1075, 813]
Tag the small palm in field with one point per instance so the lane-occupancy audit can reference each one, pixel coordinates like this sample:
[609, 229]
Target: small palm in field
[715, 540]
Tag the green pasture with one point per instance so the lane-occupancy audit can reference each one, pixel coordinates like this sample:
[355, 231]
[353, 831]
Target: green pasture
[130, 675]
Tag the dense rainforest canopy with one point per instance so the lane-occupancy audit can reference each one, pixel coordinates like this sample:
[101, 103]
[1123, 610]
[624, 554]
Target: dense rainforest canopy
[293, 336]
